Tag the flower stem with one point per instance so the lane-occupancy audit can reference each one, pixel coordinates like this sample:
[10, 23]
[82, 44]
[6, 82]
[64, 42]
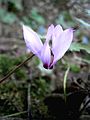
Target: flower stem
[17, 67]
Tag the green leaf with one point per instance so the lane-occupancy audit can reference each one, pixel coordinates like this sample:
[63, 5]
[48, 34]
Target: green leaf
[7, 17]
[79, 46]
[17, 4]
[75, 68]
[37, 17]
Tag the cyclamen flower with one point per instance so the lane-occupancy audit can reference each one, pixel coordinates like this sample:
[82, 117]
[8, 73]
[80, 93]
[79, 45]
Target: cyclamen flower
[48, 53]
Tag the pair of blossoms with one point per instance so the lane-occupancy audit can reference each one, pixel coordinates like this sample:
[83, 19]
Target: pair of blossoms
[57, 43]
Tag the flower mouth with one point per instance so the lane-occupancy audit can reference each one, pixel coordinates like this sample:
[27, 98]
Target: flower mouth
[50, 66]
[45, 66]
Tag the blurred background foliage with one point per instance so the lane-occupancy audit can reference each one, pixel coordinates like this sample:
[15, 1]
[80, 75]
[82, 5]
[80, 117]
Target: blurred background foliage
[39, 15]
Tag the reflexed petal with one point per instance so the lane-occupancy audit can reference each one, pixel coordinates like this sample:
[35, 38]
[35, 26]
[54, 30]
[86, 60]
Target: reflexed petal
[49, 32]
[32, 40]
[46, 55]
[62, 44]
[56, 33]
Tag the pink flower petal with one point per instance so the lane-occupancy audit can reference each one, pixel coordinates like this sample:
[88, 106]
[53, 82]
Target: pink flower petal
[62, 44]
[46, 55]
[56, 33]
[32, 40]
[49, 32]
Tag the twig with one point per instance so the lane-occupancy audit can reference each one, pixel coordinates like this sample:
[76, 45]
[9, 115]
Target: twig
[15, 114]
[29, 95]
[79, 85]
[17, 67]
[85, 105]
[29, 102]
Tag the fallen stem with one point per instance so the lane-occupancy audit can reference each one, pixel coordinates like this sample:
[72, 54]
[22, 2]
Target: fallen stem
[29, 102]
[17, 67]
[15, 114]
